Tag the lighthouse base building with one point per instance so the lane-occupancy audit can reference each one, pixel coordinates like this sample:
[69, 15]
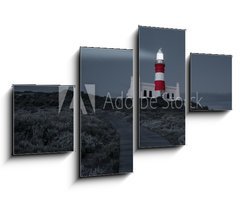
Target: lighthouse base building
[147, 90]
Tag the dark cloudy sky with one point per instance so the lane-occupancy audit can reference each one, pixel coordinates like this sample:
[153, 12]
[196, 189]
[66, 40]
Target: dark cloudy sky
[109, 69]
[172, 42]
[211, 73]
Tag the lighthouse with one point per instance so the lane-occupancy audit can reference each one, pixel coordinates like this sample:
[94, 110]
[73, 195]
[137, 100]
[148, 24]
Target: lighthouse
[158, 88]
[159, 74]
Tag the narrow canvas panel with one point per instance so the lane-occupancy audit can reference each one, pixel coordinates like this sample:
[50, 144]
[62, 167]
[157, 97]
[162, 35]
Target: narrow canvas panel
[161, 87]
[210, 82]
[42, 119]
[106, 111]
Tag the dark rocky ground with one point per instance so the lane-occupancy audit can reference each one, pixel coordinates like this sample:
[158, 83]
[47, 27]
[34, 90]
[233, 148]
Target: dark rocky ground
[38, 127]
[100, 146]
[162, 125]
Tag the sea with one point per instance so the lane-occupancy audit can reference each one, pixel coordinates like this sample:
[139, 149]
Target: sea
[214, 101]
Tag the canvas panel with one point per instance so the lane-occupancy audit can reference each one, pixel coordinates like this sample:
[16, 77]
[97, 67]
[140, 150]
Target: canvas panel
[161, 62]
[210, 82]
[106, 111]
[42, 119]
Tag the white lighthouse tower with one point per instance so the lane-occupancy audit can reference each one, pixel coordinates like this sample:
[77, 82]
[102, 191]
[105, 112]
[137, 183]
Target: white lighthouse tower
[159, 74]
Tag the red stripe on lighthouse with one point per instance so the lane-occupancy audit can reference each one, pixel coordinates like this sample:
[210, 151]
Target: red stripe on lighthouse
[159, 67]
[159, 85]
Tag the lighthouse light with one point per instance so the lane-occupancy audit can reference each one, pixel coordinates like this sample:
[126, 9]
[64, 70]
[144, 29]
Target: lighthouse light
[160, 55]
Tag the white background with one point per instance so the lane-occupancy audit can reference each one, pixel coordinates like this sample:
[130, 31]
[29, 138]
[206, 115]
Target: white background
[39, 41]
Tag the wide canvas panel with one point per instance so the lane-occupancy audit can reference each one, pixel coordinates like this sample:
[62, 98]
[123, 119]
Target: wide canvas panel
[210, 82]
[106, 146]
[42, 119]
[161, 61]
